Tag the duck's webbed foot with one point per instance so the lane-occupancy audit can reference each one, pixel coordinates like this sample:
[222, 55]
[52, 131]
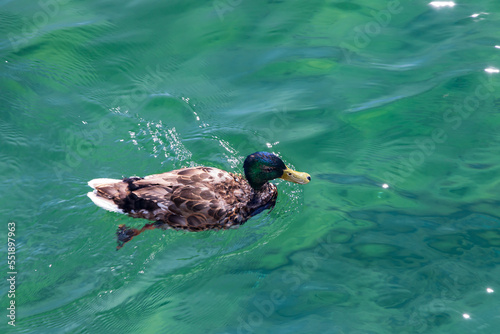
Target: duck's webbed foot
[124, 234]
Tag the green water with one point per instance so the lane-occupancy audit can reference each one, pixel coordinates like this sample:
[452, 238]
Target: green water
[358, 94]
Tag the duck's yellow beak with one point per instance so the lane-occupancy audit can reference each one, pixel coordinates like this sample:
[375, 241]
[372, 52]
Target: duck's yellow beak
[296, 177]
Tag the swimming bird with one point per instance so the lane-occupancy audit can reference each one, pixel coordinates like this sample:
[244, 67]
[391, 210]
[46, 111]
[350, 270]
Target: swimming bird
[195, 198]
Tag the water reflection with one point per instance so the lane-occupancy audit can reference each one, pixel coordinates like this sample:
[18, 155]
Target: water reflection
[440, 4]
[491, 70]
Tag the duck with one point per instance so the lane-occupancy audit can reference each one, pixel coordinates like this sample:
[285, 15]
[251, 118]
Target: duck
[195, 198]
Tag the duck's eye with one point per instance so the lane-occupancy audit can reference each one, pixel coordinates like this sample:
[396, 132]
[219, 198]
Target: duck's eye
[289, 174]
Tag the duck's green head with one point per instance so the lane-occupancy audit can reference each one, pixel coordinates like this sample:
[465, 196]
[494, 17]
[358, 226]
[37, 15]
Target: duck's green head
[261, 167]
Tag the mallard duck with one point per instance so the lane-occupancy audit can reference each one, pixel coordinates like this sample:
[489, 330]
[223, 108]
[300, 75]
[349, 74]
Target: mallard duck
[196, 198]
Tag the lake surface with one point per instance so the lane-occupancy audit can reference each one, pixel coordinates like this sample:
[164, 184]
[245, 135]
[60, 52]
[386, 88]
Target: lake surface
[392, 107]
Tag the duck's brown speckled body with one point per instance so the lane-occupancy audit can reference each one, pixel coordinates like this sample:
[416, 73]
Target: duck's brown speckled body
[193, 199]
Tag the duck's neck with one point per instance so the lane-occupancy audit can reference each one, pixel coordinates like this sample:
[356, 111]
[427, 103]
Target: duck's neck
[256, 186]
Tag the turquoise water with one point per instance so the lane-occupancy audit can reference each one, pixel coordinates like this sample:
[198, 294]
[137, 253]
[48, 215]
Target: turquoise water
[392, 107]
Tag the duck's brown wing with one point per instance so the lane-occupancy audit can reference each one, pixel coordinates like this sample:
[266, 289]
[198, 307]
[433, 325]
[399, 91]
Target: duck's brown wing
[196, 198]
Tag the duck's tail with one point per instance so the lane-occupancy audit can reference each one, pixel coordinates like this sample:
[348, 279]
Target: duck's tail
[105, 191]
